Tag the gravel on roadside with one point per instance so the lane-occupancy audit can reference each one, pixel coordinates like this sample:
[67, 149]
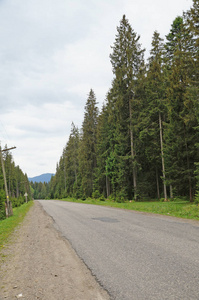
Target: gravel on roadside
[41, 264]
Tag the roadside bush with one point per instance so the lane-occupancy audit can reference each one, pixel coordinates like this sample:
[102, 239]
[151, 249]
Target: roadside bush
[16, 202]
[102, 198]
[2, 205]
[96, 194]
[119, 199]
[111, 198]
[2, 212]
[196, 200]
[83, 198]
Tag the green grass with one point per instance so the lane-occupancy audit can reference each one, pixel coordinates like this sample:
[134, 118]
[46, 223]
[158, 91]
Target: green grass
[179, 208]
[8, 225]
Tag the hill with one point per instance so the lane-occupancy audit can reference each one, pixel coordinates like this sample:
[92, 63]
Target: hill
[41, 178]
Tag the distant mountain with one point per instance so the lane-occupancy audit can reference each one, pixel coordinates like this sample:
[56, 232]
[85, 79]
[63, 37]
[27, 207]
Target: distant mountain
[42, 178]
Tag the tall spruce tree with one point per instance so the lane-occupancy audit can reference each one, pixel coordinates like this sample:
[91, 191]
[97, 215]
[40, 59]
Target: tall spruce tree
[102, 180]
[87, 149]
[156, 109]
[71, 168]
[192, 23]
[180, 134]
[126, 59]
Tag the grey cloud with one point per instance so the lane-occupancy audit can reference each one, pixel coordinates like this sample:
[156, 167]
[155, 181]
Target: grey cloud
[51, 54]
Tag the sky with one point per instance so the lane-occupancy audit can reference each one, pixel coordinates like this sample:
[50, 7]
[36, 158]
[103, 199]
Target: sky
[52, 52]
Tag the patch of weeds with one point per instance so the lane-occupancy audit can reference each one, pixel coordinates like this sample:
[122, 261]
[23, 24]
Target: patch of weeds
[179, 207]
[8, 225]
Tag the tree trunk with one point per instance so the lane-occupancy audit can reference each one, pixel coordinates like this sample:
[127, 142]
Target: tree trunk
[8, 204]
[188, 167]
[107, 187]
[132, 153]
[190, 191]
[157, 182]
[162, 155]
[64, 177]
[9, 186]
[75, 175]
[171, 191]
[17, 190]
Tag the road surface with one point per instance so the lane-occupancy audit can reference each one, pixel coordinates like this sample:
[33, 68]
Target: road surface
[133, 255]
[39, 264]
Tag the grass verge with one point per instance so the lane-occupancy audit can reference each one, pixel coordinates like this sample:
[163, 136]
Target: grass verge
[7, 226]
[180, 209]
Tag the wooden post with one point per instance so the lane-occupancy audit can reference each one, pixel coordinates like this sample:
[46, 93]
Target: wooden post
[8, 204]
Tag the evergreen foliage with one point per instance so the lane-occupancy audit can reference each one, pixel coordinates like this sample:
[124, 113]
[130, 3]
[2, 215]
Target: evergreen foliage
[144, 142]
[87, 147]
[153, 116]
[17, 183]
[181, 133]
[127, 61]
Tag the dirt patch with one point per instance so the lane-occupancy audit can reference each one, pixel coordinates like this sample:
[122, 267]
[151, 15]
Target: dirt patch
[40, 264]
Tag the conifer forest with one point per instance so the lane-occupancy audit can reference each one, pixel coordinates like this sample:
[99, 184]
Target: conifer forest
[143, 143]
[17, 183]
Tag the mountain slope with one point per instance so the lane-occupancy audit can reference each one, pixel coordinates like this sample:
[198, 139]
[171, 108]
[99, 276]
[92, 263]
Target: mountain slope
[41, 178]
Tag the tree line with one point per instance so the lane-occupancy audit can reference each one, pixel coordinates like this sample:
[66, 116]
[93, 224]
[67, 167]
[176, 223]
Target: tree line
[17, 183]
[143, 143]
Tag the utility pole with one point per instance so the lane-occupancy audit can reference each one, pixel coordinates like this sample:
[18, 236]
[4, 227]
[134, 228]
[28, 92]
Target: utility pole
[8, 204]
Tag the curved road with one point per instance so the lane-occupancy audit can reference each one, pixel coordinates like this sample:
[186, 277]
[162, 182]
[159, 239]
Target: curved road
[133, 255]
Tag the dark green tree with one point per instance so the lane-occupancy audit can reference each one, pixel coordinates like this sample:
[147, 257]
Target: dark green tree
[145, 139]
[71, 167]
[192, 23]
[155, 113]
[127, 60]
[181, 136]
[102, 184]
[87, 148]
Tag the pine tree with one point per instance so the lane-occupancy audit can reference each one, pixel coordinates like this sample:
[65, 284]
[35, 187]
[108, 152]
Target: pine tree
[126, 59]
[156, 109]
[102, 180]
[71, 169]
[192, 103]
[180, 134]
[87, 149]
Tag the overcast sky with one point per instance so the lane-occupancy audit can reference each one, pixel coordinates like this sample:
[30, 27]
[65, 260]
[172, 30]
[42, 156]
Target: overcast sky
[52, 52]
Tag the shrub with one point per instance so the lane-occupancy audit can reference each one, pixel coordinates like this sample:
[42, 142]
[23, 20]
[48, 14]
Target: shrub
[196, 200]
[102, 198]
[111, 198]
[16, 202]
[96, 194]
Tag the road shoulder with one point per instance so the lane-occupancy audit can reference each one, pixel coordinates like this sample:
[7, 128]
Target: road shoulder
[40, 264]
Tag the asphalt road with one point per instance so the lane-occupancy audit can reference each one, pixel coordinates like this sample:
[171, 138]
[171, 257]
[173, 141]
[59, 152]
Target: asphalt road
[133, 255]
